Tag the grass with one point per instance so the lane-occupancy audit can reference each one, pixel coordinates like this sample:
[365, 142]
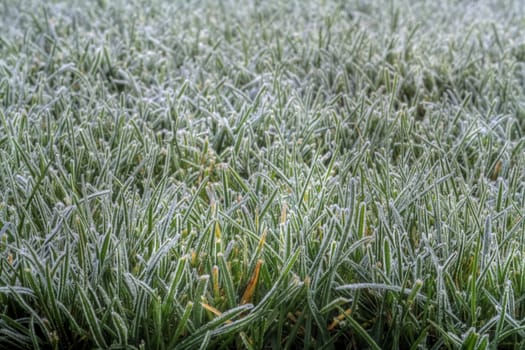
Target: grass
[262, 175]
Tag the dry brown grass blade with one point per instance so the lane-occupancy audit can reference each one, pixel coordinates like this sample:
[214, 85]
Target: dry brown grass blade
[250, 289]
[284, 210]
[497, 170]
[213, 310]
[215, 278]
[339, 318]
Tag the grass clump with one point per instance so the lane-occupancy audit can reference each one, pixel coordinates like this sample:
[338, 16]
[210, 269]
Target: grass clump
[265, 175]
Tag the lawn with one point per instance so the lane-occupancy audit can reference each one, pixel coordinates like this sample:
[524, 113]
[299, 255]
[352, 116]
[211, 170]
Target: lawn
[262, 174]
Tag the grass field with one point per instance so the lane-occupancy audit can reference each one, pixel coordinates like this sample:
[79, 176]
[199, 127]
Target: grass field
[262, 174]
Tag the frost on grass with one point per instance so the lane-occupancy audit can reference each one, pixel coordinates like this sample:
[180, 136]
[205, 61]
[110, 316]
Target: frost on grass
[261, 175]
